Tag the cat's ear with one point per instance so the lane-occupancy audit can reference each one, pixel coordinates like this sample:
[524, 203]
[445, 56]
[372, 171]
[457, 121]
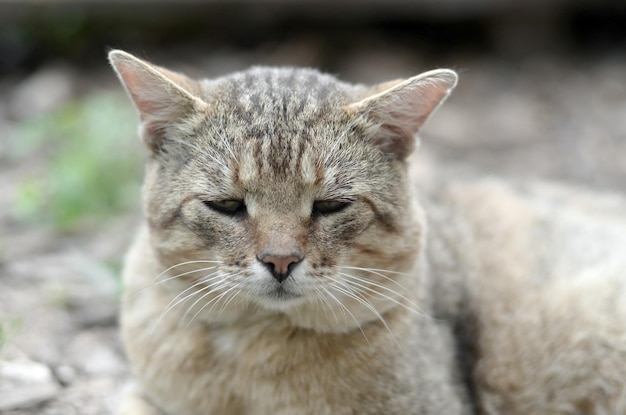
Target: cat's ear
[400, 108]
[161, 97]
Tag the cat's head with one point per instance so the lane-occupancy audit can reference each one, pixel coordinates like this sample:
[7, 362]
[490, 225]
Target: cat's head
[283, 189]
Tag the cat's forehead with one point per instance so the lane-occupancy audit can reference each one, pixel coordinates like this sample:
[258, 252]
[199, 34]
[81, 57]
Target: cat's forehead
[285, 129]
[279, 121]
[288, 92]
[290, 161]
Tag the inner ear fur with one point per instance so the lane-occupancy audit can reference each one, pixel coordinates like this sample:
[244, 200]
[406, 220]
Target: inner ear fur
[400, 108]
[161, 97]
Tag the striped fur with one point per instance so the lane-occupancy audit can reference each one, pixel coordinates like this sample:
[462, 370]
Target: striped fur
[291, 169]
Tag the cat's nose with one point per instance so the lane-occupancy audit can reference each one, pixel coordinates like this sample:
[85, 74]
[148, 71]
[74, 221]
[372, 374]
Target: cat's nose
[280, 266]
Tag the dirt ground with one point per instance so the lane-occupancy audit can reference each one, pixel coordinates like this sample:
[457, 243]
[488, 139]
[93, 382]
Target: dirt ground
[542, 118]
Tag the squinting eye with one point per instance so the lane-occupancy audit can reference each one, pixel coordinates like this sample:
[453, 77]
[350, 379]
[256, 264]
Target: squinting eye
[330, 206]
[229, 207]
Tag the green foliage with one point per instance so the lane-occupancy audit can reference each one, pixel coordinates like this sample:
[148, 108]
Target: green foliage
[91, 163]
[114, 266]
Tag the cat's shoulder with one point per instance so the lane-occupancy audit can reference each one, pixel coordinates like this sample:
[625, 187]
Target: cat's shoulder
[549, 276]
[547, 230]
[493, 202]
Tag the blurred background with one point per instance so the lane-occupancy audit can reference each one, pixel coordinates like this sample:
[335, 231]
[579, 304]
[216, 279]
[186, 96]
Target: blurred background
[542, 96]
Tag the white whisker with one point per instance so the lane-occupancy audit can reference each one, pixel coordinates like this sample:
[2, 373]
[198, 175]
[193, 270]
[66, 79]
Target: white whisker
[175, 301]
[346, 310]
[214, 301]
[184, 273]
[358, 280]
[379, 272]
[220, 285]
[321, 299]
[178, 300]
[186, 263]
[375, 270]
[232, 297]
[345, 288]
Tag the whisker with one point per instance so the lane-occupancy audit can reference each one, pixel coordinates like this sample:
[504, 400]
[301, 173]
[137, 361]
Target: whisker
[199, 282]
[321, 298]
[346, 289]
[232, 297]
[199, 261]
[178, 300]
[214, 301]
[347, 310]
[183, 274]
[379, 272]
[376, 271]
[417, 310]
[156, 282]
[213, 288]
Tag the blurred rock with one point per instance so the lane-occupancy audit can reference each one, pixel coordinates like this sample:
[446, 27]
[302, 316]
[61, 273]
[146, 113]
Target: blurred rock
[92, 353]
[43, 91]
[25, 383]
[65, 374]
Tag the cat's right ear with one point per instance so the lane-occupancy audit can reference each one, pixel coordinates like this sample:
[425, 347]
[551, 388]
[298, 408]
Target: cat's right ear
[161, 97]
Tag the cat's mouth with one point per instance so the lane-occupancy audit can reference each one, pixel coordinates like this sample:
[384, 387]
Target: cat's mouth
[281, 294]
[280, 298]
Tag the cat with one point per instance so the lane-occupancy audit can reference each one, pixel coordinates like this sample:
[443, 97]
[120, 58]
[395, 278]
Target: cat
[287, 264]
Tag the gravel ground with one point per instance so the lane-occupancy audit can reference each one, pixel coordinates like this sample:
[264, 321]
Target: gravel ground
[551, 118]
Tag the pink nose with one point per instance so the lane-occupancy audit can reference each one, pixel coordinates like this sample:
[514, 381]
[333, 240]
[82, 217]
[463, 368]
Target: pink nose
[280, 266]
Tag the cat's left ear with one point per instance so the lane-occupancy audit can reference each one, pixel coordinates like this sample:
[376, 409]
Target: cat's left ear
[400, 108]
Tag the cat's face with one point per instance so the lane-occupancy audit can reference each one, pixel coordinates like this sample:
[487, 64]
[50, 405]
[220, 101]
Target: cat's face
[282, 189]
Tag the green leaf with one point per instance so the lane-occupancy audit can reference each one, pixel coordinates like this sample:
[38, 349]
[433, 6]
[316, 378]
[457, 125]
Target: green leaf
[92, 163]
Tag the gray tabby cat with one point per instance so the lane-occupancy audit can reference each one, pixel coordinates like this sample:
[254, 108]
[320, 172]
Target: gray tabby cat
[286, 267]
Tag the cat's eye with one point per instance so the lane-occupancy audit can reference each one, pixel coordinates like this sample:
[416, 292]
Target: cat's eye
[229, 207]
[326, 207]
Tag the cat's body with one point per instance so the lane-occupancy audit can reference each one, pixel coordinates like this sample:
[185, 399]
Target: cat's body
[286, 267]
[546, 300]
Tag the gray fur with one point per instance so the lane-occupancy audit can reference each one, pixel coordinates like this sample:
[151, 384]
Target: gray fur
[479, 305]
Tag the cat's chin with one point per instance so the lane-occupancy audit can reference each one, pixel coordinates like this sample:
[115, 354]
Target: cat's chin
[279, 299]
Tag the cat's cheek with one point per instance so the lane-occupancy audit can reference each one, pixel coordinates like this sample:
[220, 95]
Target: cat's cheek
[177, 244]
[347, 228]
